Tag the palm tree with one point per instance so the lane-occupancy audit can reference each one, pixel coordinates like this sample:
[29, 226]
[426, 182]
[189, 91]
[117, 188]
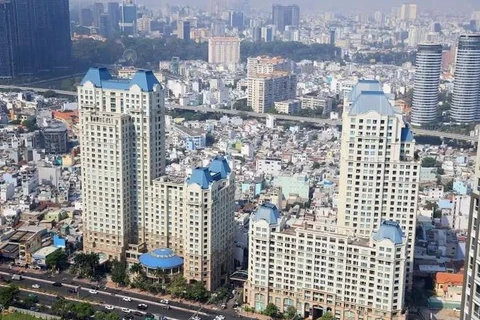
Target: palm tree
[136, 268]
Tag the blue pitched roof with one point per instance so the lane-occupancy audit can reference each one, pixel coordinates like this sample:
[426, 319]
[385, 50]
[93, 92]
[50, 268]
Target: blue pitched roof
[101, 78]
[364, 85]
[407, 135]
[371, 101]
[220, 165]
[201, 176]
[389, 230]
[267, 212]
[161, 259]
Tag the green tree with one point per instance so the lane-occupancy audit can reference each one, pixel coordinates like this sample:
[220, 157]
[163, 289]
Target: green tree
[57, 260]
[197, 291]
[83, 310]
[119, 272]
[30, 124]
[178, 286]
[136, 268]
[315, 165]
[271, 310]
[291, 313]
[86, 264]
[429, 162]
[49, 94]
[7, 294]
[327, 316]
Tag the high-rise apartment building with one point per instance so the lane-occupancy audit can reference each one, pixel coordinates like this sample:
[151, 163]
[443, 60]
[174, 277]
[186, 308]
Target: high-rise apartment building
[236, 20]
[130, 205]
[266, 89]
[224, 50]
[471, 284]
[269, 80]
[128, 18]
[408, 12]
[285, 16]
[318, 268]
[183, 30]
[466, 85]
[379, 174]
[86, 17]
[34, 37]
[122, 138]
[195, 217]
[427, 82]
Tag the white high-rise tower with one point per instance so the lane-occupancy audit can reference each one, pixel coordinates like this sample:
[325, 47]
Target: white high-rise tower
[122, 150]
[427, 82]
[379, 174]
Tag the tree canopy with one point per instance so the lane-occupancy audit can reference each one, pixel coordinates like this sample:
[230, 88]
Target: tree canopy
[57, 260]
[327, 316]
[7, 294]
[271, 310]
[119, 272]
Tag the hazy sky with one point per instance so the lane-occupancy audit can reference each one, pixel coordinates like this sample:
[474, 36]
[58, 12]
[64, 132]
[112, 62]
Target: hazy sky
[343, 5]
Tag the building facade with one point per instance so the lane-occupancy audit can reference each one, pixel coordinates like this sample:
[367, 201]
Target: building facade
[128, 18]
[471, 280]
[224, 50]
[466, 85]
[427, 82]
[320, 268]
[41, 41]
[379, 173]
[283, 16]
[122, 138]
[195, 217]
[183, 30]
[266, 89]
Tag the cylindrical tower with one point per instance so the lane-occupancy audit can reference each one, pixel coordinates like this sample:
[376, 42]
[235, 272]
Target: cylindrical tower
[466, 86]
[427, 81]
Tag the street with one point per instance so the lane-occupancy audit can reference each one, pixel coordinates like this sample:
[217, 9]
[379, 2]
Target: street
[47, 292]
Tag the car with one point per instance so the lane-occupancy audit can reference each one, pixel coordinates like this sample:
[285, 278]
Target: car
[126, 310]
[35, 286]
[93, 291]
[109, 307]
[72, 290]
[142, 306]
[138, 313]
[165, 301]
[127, 299]
[57, 284]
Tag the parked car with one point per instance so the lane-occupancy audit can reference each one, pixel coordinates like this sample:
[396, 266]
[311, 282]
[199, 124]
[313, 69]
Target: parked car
[142, 306]
[109, 307]
[57, 284]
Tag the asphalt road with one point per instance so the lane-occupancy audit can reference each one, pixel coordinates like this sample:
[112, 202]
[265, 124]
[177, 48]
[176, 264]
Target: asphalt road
[177, 311]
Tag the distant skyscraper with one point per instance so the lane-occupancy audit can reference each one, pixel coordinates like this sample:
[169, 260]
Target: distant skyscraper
[128, 18]
[332, 36]
[427, 82]
[377, 165]
[183, 30]
[269, 80]
[236, 20]
[285, 16]
[105, 27]
[98, 10]
[267, 33]
[217, 28]
[86, 17]
[408, 12]
[224, 50]
[114, 14]
[34, 37]
[466, 85]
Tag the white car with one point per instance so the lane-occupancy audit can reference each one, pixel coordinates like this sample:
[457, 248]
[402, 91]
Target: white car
[35, 286]
[109, 307]
[126, 310]
[127, 299]
[93, 291]
[164, 301]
